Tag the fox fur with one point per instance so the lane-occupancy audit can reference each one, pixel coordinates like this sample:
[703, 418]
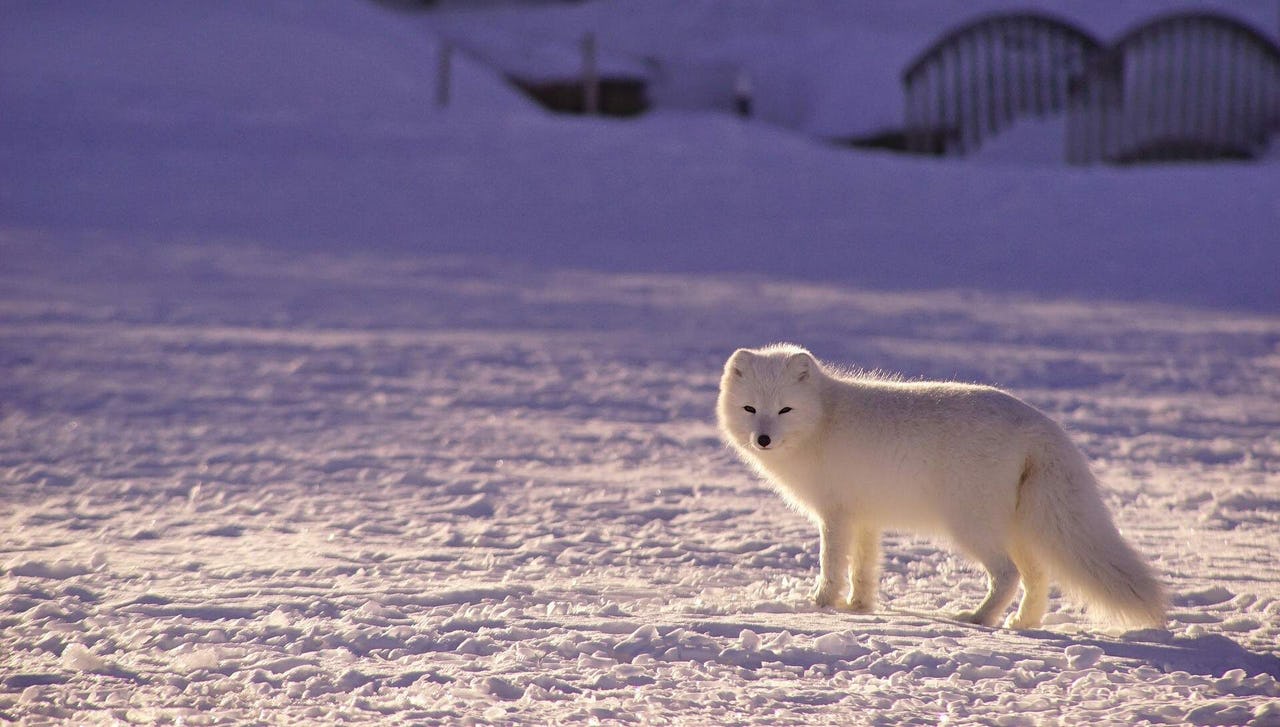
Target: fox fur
[859, 454]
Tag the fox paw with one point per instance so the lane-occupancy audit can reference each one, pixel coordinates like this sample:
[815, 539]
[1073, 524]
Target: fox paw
[1020, 624]
[975, 618]
[859, 605]
[828, 598]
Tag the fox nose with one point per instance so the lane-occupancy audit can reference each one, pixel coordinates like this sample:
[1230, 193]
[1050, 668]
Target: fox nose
[763, 440]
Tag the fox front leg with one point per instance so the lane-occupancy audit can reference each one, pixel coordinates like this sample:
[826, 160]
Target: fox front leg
[835, 547]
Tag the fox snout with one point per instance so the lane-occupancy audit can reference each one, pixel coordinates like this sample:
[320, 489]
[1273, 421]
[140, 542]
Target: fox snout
[762, 441]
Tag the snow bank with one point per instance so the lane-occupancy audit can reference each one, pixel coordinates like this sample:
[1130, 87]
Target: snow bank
[210, 73]
[317, 129]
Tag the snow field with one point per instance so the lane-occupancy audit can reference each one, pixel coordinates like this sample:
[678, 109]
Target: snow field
[378, 493]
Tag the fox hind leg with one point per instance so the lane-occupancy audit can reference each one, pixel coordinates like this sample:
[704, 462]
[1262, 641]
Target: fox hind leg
[1035, 592]
[1002, 584]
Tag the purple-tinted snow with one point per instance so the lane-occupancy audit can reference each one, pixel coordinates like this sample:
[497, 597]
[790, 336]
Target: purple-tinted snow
[265, 122]
[319, 404]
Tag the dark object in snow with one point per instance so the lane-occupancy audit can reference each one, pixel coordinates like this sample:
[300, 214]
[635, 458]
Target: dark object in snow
[617, 95]
[743, 93]
[923, 141]
[578, 78]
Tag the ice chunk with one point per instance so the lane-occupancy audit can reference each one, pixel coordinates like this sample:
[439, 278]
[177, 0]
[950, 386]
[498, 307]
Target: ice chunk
[611, 609]
[208, 659]
[780, 641]
[499, 688]
[303, 673]
[373, 612]
[976, 672]
[1206, 596]
[645, 633]
[643, 640]
[1220, 713]
[77, 657]
[34, 694]
[1267, 713]
[278, 619]
[352, 679]
[1232, 679]
[288, 663]
[1241, 623]
[840, 645]
[1081, 656]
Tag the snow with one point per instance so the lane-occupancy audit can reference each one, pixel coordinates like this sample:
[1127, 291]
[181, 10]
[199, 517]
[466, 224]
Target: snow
[319, 404]
[275, 158]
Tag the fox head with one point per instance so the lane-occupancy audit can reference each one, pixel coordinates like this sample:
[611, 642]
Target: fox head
[769, 399]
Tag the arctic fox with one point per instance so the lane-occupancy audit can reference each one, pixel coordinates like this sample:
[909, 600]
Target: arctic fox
[859, 453]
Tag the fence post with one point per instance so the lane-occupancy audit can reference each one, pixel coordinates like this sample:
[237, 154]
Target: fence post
[444, 73]
[590, 76]
[743, 93]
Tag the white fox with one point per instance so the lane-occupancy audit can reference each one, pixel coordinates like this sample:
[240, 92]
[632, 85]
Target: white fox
[859, 453]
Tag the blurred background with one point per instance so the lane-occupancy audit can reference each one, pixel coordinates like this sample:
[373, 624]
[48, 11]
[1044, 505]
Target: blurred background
[1058, 148]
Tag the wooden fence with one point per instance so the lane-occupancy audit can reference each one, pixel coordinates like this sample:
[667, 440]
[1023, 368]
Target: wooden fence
[1187, 85]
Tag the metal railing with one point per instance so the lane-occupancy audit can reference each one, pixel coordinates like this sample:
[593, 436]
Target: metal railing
[978, 78]
[1185, 85]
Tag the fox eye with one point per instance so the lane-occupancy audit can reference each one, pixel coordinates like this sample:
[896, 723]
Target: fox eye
[784, 410]
[749, 409]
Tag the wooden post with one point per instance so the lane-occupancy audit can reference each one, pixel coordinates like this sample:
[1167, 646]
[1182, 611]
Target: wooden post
[909, 112]
[942, 121]
[590, 76]
[1156, 85]
[1232, 113]
[989, 40]
[957, 99]
[1037, 37]
[1071, 100]
[444, 73]
[1010, 57]
[743, 93]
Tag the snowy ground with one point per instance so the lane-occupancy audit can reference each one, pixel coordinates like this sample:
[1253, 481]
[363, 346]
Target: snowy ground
[259, 486]
[319, 405]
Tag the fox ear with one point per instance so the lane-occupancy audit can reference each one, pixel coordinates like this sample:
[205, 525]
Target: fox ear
[801, 365]
[736, 362]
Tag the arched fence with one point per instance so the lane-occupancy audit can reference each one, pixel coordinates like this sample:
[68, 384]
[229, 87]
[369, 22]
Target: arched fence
[1188, 85]
[980, 77]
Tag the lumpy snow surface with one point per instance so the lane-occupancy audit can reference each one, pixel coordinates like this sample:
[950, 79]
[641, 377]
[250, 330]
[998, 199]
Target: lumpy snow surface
[244, 486]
